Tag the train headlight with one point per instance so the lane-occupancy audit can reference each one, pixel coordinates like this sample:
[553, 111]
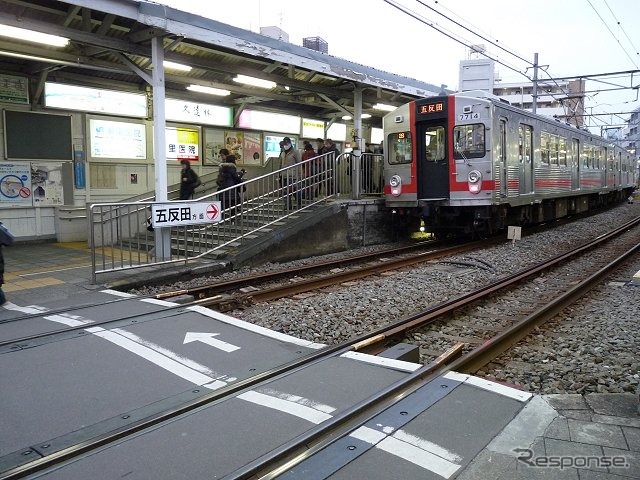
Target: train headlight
[395, 182]
[474, 179]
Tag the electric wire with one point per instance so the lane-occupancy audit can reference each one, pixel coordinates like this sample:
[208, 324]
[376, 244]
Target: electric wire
[621, 28]
[612, 34]
[451, 36]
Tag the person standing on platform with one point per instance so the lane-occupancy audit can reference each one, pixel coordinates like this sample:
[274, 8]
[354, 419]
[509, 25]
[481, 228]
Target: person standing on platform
[6, 239]
[330, 147]
[310, 170]
[228, 176]
[188, 180]
[288, 158]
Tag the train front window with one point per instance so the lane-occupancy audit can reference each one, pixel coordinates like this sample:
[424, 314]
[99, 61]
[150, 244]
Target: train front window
[400, 145]
[469, 141]
[434, 144]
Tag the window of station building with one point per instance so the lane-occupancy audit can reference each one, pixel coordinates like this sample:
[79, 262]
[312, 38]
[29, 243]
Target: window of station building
[434, 143]
[525, 139]
[469, 141]
[400, 147]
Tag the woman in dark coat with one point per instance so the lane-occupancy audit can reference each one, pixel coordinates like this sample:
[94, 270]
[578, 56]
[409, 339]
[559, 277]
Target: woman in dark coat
[188, 180]
[228, 176]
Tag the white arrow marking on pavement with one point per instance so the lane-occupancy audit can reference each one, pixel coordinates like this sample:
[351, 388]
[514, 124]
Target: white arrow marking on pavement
[209, 340]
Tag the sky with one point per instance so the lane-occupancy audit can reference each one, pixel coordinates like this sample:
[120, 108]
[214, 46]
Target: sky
[571, 37]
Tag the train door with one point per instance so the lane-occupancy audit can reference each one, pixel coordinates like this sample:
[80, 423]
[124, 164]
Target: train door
[432, 163]
[575, 164]
[525, 157]
[502, 157]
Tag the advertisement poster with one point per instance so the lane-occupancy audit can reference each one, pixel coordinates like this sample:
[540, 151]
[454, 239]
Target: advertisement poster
[46, 181]
[117, 139]
[252, 148]
[213, 143]
[233, 141]
[182, 144]
[15, 185]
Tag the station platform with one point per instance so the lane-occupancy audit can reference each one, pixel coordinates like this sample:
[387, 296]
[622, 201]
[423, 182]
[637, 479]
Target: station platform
[472, 429]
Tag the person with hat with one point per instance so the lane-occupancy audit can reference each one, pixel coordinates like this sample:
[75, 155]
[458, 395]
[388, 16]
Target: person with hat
[289, 157]
[188, 180]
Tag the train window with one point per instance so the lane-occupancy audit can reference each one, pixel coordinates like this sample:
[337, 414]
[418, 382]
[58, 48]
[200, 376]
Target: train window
[553, 149]
[545, 145]
[400, 147]
[562, 152]
[434, 143]
[469, 141]
[587, 152]
[525, 134]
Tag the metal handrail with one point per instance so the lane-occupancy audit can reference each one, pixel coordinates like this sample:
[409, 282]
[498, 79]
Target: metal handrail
[120, 236]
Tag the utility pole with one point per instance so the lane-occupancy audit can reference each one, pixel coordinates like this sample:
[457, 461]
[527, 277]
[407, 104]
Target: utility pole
[535, 83]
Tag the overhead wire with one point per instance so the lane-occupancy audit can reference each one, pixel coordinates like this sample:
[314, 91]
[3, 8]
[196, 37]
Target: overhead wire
[622, 28]
[421, 19]
[612, 34]
[459, 39]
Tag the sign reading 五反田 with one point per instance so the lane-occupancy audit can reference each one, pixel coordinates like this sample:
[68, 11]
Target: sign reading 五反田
[187, 213]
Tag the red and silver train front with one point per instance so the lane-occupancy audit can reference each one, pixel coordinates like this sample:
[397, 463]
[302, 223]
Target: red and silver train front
[437, 160]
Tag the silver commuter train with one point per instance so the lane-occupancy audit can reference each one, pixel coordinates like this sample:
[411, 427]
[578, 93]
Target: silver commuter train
[471, 163]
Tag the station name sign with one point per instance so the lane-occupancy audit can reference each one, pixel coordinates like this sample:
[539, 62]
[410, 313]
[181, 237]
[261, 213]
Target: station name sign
[178, 214]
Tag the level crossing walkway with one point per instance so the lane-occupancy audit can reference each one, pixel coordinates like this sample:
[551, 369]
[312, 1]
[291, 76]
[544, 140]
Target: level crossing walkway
[472, 429]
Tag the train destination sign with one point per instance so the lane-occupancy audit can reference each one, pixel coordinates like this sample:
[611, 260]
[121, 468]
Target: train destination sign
[431, 108]
[187, 213]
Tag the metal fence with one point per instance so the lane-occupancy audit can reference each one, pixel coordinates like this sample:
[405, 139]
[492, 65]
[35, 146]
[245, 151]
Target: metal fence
[120, 238]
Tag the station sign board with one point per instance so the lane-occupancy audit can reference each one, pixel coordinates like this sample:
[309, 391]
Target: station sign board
[179, 214]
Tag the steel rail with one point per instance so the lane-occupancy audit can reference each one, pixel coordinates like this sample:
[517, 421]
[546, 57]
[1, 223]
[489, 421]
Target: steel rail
[483, 354]
[226, 285]
[223, 303]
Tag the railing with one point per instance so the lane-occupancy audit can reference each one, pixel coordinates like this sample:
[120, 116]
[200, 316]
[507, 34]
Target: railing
[120, 239]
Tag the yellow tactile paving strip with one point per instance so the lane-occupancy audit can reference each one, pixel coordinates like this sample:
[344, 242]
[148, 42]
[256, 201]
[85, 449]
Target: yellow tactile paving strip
[60, 257]
[15, 284]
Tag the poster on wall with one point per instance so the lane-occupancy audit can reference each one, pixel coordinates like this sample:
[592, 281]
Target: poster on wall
[182, 144]
[15, 185]
[14, 89]
[46, 182]
[233, 141]
[213, 143]
[252, 148]
[117, 139]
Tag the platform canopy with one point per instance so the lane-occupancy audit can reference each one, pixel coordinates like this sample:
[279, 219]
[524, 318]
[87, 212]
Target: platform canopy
[110, 46]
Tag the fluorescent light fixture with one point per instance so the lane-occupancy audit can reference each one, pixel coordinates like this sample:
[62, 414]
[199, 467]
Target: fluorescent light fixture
[176, 66]
[384, 106]
[32, 36]
[4, 53]
[365, 115]
[210, 90]
[256, 82]
[347, 117]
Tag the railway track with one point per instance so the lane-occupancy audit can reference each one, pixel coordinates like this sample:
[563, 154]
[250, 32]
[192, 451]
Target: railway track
[472, 358]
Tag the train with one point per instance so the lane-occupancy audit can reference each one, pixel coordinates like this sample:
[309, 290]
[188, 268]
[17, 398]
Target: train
[472, 164]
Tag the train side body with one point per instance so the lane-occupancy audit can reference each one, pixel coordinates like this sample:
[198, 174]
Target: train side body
[472, 163]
